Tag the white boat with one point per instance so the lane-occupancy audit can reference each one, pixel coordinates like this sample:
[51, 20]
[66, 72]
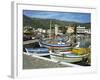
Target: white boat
[66, 57]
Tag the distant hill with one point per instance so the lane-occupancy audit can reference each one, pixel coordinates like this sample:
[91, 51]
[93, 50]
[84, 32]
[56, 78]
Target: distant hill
[45, 23]
[27, 21]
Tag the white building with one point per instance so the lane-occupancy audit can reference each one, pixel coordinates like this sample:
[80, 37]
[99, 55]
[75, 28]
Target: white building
[80, 29]
[43, 31]
[39, 29]
[57, 30]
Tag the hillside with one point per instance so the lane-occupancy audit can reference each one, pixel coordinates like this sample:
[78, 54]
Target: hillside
[45, 23]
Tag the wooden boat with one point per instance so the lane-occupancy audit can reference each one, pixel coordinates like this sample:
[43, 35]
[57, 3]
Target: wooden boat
[66, 56]
[38, 51]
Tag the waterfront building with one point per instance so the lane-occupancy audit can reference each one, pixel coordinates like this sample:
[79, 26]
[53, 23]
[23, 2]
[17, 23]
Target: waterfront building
[82, 29]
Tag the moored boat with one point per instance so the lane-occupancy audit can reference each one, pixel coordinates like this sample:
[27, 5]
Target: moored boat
[66, 56]
[38, 51]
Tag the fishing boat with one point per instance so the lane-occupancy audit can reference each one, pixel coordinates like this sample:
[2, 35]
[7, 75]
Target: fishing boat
[67, 56]
[38, 51]
[58, 41]
[54, 44]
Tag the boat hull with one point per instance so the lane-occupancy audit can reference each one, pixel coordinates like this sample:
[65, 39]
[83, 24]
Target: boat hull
[65, 59]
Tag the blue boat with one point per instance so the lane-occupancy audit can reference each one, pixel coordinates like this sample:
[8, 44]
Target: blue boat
[38, 51]
[55, 43]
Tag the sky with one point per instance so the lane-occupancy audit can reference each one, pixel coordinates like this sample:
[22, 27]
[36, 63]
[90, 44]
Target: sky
[64, 16]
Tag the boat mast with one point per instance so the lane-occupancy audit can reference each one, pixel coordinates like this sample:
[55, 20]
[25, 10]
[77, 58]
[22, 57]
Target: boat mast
[50, 30]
